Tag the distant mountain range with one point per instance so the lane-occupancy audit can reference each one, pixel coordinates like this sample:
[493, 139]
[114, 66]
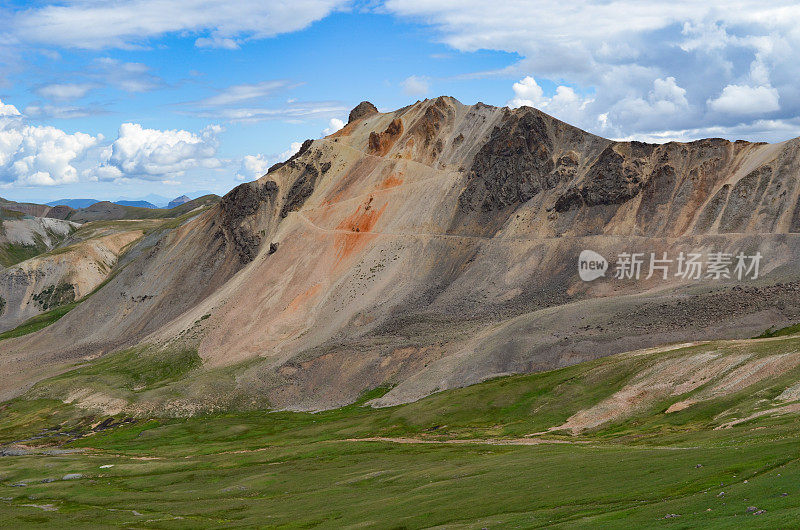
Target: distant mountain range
[73, 203]
[149, 201]
[138, 204]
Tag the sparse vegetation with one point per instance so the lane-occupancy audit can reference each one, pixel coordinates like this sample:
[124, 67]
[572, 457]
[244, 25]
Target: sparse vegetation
[782, 332]
[55, 296]
[11, 253]
[38, 322]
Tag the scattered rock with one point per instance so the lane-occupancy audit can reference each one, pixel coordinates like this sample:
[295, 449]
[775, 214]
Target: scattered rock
[671, 515]
[45, 507]
[13, 451]
[72, 476]
[237, 487]
[721, 494]
[751, 509]
[698, 466]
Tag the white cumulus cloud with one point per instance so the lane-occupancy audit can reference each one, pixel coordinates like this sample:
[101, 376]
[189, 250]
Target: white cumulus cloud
[527, 93]
[7, 110]
[565, 104]
[732, 64]
[746, 100]
[253, 166]
[333, 125]
[665, 102]
[294, 147]
[157, 155]
[39, 155]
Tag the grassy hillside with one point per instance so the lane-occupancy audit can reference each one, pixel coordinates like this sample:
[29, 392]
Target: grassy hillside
[474, 457]
[38, 322]
[11, 254]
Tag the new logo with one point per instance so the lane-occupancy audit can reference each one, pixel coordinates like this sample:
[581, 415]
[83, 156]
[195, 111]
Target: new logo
[591, 265]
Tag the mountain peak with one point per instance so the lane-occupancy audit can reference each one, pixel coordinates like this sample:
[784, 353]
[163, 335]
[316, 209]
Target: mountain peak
[177, 201]
[443, 238]
[365, 108]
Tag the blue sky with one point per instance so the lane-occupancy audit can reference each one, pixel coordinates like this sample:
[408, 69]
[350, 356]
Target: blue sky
[127, 98]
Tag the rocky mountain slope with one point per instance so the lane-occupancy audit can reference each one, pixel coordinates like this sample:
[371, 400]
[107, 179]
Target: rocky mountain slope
[435, 247]
[60, 277]
[23, 236]
[37, 210]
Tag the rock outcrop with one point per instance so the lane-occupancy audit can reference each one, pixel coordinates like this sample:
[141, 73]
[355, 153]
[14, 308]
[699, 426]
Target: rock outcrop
[363, 109]
[236, 209]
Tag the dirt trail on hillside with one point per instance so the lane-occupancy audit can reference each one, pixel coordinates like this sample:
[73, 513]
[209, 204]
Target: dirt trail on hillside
[483, 441]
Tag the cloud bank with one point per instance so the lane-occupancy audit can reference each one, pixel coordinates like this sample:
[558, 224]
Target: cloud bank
[628, 67]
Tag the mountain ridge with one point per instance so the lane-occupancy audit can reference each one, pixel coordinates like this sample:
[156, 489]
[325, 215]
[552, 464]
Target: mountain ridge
[435, 247]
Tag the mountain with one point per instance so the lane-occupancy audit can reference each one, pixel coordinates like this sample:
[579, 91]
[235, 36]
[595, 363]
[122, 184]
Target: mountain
[23, 237]
[70, 262]
[177, 201]
[106, 211]
[36, 210]
[73, 203]
[153, 198]
[51, 262]
[431, 248]
[85, 203]
[137, 204]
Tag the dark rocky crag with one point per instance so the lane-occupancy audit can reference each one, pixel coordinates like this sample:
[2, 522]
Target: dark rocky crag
[362, 110]
[237, 207]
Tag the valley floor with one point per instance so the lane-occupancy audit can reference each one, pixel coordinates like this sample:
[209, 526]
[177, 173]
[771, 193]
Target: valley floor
[484, 456]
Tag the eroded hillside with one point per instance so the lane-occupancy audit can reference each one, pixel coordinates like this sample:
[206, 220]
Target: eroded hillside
[435, 247]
